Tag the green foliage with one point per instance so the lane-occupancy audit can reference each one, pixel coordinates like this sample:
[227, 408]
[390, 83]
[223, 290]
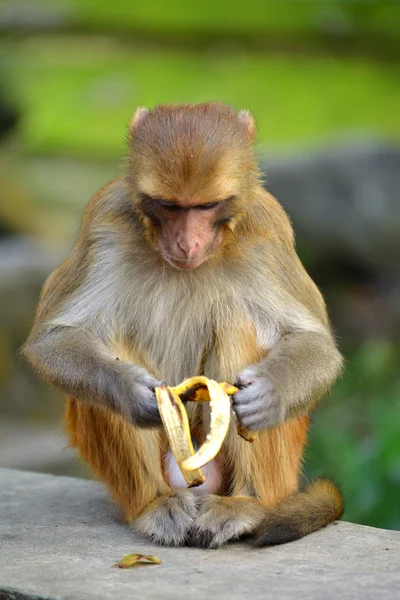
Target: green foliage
[286, 16]
[78, 94]
[356, 436]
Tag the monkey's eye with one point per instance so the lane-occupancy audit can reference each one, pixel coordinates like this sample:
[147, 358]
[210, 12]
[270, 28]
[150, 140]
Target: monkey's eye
[168, 206]
[207, 206]
[224, 221]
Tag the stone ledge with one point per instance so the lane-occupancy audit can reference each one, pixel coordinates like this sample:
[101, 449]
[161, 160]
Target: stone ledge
[59, 537]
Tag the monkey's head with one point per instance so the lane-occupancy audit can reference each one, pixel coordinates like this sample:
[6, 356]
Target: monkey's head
[191, 173]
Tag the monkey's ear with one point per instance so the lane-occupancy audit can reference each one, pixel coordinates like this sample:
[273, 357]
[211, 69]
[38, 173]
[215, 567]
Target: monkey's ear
[138, 116]
[247, 119]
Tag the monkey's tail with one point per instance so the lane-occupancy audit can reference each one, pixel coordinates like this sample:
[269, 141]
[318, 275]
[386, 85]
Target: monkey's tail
[301, 514]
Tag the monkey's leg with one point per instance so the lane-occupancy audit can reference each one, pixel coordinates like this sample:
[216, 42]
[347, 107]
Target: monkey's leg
[263, 474]
[129, 461]
[169, 519]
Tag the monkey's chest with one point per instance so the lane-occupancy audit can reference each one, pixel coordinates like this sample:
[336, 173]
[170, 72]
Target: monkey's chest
[176, 345]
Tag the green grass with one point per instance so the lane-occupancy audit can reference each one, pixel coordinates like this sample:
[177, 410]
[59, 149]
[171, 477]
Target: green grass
[77, 94]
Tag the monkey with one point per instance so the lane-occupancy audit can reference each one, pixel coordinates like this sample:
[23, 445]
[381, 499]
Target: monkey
[185, 265]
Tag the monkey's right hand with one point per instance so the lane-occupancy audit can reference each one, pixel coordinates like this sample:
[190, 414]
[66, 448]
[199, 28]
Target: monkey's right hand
[141, 408]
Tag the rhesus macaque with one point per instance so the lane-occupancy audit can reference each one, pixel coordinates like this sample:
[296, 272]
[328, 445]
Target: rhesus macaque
[185, 265]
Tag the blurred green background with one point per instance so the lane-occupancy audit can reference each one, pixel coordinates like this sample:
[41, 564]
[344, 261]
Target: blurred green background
[323, 81]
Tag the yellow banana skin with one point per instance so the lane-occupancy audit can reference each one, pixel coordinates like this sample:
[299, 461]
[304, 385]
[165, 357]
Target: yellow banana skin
[196, 389]
[176, 424]
[220, 418]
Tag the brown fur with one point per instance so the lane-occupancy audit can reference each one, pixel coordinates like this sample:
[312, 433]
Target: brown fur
[301, 514]
[127, 458]
[130, 461]
[250, 303]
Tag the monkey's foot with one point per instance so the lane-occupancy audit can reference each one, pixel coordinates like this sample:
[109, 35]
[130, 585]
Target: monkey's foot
[221, 519]
[167, 520]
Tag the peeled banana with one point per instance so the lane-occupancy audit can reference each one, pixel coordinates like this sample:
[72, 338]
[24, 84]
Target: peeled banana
[176, 423]
[220, 418]
[196, 388]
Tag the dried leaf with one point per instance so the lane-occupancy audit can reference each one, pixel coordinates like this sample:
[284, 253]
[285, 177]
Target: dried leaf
[130, 560]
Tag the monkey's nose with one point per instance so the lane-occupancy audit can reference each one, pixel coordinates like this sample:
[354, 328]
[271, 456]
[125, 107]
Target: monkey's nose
[190, 249]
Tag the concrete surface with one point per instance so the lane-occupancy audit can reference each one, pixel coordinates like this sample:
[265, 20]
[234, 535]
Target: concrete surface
[59, 537]
[38, 447]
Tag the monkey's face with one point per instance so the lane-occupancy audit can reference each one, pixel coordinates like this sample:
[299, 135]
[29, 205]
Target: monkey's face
[187, 233]
[191, 170]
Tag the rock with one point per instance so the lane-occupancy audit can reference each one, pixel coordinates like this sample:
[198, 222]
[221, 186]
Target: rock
[343, 198]
[60, 536]
[24, 265]
[28, 439]
[37, 447]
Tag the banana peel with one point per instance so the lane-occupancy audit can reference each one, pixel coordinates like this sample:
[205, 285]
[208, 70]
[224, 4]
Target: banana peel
[133, 560]
[219, 424]
[176, 424]
[173, 414]
[197, 390]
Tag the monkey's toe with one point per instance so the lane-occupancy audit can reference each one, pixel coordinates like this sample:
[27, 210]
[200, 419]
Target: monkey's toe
[167, 520]
[221, 520]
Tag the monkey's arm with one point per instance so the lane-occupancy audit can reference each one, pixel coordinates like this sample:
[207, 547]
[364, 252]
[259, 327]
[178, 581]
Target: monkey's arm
[75, 358]
[76, 362]
[301, 367]
[298, 371]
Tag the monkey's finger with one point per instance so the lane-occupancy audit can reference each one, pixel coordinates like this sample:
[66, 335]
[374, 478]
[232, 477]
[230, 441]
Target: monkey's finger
[270, 416]
[258, 406]
[244, 415]
[248, 400]
[251, 425]
[246, 411]
[246, 377]
[260, 422]
[144, 409]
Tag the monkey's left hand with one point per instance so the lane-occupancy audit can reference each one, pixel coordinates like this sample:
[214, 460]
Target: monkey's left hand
[257, 404]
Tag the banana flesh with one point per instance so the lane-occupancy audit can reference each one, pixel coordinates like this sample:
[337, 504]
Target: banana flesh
[196, 388]
[220, 418]
[176, 424]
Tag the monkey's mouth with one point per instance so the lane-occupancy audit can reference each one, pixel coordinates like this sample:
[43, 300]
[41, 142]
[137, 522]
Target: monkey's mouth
[186, 265]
